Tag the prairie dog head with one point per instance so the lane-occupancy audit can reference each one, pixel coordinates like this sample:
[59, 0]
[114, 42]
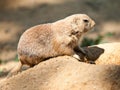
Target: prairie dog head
[80, 23]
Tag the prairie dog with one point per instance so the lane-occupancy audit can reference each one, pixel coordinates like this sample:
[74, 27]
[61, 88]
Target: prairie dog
[53, 39]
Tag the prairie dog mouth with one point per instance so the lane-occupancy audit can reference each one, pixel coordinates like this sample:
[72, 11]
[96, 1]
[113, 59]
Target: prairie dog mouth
[92, 29]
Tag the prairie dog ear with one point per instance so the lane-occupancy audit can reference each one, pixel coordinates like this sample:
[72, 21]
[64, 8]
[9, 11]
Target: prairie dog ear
[74, 23]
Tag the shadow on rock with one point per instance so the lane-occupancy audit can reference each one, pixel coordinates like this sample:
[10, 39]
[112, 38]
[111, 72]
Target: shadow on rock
[91, 54]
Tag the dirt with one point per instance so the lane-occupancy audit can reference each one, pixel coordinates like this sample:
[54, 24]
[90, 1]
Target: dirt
[65, 73]
[19, 15]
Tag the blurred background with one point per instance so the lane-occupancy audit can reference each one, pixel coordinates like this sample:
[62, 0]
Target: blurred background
[18, 15]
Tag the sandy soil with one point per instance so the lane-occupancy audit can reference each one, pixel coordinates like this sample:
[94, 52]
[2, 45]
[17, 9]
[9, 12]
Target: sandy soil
[65, 73]
[16, 17]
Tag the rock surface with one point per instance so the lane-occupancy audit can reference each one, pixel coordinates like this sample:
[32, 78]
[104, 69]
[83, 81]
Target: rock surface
[65, 73]
[107, 53]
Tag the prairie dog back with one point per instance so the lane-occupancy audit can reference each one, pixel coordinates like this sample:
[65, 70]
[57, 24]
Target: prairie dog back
[35, 43]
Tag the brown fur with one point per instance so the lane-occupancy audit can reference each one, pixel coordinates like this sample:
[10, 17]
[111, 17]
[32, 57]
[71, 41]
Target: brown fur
[50, 40]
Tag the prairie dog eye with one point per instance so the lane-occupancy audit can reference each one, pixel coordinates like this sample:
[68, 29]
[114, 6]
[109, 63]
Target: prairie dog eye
[86, 20]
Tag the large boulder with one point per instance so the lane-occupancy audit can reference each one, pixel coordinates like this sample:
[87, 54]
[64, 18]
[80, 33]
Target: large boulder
[65, 73]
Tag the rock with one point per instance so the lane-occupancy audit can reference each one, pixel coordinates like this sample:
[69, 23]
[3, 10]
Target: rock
[107, 53]
[65, 73]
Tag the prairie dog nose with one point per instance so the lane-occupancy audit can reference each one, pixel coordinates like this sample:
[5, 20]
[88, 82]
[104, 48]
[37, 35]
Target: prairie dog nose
[92, 23]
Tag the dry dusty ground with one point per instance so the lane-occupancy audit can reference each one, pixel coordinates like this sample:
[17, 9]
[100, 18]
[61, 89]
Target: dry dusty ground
[16, 17]
[65, 73]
